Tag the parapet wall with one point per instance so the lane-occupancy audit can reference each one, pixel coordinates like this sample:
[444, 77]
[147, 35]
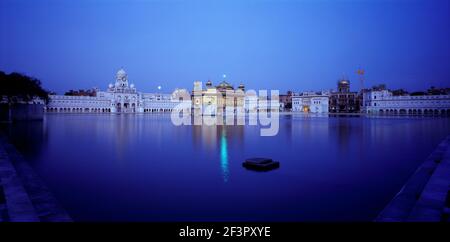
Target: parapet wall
[19, 111]
[424, 196]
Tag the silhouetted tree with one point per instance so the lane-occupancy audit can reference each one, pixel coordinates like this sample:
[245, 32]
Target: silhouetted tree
[399, 92]
[418, 94]
[438, 91]
[81, 92]
[18, 87]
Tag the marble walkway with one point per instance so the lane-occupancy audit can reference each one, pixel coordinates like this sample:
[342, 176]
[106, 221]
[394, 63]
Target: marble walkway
[23, 195]
[426, 195]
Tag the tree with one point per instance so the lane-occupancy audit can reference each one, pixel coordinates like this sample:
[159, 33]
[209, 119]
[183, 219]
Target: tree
[81, 92]
[17, 87]
[399, 92]
[418, 94]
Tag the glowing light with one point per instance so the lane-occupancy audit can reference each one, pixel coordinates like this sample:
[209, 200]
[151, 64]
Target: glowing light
[159, 87]
[224, 76]
[224, 156]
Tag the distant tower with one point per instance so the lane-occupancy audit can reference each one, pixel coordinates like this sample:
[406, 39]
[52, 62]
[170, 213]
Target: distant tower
[121, 78]
[208, 84]
[344, 85]
[198, 86]
[242, 87]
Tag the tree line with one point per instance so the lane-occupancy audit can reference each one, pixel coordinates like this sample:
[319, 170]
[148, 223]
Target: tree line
[16, 87]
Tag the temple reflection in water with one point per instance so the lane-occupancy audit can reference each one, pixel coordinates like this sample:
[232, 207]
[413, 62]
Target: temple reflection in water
[224, 154]
[217, 140]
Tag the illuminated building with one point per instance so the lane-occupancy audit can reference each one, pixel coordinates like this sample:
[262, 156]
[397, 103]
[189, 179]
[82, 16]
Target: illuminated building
[344, 101]
[216, 100]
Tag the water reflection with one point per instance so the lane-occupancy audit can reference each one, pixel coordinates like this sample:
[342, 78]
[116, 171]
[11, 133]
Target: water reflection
[341, 131]
[28, 137]
[218, 140]
[106, 167]
[224, 154]
[204, 137]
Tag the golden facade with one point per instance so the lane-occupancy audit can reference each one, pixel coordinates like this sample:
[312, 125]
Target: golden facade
[217, 100]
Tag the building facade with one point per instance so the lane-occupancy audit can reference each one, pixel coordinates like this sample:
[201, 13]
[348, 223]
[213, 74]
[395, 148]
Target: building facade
[310, 102]
[343, 100]
[286, 101]
[120, 97]
[217, 100]
[384, 102]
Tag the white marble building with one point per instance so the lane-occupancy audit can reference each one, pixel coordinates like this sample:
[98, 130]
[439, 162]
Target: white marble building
[217, 100]
[310, 102]
[383, 102]
[119, 98]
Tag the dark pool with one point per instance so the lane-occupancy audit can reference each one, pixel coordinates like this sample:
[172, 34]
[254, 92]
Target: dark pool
[143, 168]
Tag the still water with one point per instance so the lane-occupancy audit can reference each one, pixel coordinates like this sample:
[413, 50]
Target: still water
[143, 168]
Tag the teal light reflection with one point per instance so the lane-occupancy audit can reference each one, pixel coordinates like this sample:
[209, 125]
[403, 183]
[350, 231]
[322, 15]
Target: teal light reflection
[224, 155]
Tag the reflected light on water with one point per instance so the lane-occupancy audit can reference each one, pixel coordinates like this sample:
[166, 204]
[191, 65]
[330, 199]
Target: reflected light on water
[105, 167]
[224, 155]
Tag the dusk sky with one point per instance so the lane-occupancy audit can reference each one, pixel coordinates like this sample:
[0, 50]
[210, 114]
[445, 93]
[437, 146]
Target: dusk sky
[285, 45]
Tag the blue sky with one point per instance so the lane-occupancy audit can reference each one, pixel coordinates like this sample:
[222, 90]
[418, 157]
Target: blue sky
[286, 45]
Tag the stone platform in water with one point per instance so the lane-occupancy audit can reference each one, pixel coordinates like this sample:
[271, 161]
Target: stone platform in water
[261, 164]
